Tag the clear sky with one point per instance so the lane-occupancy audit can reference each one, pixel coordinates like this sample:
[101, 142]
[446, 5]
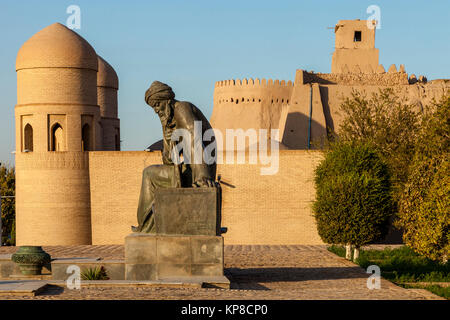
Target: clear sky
[192, 44]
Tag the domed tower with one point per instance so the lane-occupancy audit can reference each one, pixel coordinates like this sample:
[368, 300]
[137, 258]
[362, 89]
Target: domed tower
[56, 116]
[107, 86]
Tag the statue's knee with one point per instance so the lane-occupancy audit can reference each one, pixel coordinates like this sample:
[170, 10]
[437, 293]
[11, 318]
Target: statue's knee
[151, 171]
[147, 172]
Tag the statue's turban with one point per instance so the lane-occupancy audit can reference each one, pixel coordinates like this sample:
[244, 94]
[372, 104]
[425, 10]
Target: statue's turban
[159, 91]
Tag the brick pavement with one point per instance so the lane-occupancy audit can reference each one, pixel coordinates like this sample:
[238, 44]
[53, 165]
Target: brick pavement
[256, 272]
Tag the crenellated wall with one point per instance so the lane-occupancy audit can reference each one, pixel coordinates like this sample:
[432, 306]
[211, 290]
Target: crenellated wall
[309, 107]
[249, 91]
[353, 78]
[249, 104]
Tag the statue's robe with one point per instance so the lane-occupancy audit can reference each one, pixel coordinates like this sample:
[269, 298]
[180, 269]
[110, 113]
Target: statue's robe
[170, 175]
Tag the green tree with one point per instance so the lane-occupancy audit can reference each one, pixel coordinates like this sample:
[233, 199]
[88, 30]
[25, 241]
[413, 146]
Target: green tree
[7, 188]
[353, 196]
[424, 211]
[387, 122]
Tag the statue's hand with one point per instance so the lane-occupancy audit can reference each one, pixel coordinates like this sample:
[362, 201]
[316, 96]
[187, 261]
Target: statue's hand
[204, 182]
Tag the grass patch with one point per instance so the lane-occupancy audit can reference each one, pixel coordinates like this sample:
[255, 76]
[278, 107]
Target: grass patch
[402, 265]
[437, 290]
[337, 250]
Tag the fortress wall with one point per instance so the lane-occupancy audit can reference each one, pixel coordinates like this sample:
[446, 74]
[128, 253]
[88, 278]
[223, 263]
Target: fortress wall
[292, 116]
[249, 104]
[363, 60]
[272, 209]
[52, 198]
[297, 119]
[252, 91]
[417, 94]
[350, 78]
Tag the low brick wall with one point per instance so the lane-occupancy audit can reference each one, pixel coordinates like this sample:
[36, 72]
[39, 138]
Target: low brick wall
[256, 209]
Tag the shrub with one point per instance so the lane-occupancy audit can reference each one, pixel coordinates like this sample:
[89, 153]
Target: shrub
[387, 122]
[7, 188]
[424, 212]
[353, 195]
[97, 273]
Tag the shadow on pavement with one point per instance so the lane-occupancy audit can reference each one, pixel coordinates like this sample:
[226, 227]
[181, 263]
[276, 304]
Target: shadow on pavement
[253, 277]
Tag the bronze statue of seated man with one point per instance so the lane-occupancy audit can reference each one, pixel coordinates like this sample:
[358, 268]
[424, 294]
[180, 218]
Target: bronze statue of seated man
[174, 115]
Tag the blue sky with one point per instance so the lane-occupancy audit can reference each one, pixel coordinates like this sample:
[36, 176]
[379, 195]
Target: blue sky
[192, 44]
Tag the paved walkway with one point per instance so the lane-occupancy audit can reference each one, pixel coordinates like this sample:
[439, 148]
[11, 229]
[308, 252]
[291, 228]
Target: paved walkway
[255, 272]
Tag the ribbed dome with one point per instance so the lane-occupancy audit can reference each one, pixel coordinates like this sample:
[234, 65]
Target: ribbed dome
[106, 76]
[56, 46]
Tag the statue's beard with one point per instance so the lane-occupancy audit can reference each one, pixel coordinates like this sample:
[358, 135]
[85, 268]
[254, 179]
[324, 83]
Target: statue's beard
[165, 114]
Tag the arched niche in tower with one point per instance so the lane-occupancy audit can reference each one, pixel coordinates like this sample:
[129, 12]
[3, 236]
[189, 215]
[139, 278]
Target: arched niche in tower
[86, 138]
[57, 142]
[28, 138]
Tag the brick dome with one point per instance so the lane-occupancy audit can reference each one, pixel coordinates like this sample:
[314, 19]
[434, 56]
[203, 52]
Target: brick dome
[106, 76]
[56, 46]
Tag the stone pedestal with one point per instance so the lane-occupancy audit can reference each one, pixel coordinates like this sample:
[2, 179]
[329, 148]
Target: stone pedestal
[163, 257]
[188, 211]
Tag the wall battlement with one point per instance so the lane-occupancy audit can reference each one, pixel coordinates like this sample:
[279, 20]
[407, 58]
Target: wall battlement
[254, 82]
[252, 91]
[352, 79]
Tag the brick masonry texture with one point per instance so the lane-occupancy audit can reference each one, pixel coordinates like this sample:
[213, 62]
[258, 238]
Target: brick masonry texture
[252, 203]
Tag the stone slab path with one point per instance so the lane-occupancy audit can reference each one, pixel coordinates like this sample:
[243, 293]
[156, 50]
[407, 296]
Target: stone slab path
[21, 288]
[255, 272]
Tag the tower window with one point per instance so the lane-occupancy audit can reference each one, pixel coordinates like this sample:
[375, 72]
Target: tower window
[86, 138]
[357, 37]
[57, 141]
[28, 133]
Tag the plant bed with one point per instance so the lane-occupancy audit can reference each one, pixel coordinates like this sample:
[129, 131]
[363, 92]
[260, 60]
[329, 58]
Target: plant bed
[406, 268]
[436, 289]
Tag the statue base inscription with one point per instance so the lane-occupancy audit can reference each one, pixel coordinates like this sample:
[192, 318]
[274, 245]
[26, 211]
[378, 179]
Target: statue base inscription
[162, 257]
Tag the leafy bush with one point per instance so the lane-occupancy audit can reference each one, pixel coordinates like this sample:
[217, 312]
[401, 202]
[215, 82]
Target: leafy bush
[353, 195]
[97, 273]
[424, 213]
[387, 122]
[7, 188]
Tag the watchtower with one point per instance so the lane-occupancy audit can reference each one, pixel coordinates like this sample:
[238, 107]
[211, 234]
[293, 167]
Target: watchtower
[355, 47]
